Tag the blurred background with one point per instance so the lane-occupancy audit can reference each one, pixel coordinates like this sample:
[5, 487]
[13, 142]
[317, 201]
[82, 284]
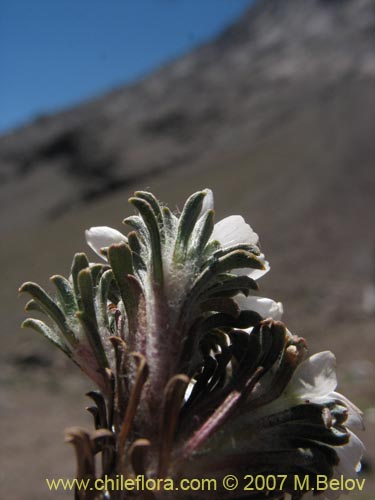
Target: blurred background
[270, 103]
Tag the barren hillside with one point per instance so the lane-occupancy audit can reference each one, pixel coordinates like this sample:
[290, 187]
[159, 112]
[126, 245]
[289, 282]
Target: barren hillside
[276, 116]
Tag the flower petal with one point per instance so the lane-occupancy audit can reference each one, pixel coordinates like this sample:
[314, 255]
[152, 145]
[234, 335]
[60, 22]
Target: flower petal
[349, 465]
[350, 456]
[267, 308]
[233, 230]
[355, 416]
[314, 378]
[102, 237]
[255, 274]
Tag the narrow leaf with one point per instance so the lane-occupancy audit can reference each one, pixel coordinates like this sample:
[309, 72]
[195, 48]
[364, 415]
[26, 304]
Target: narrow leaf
[120, 258]
[47, 332]
[88, 316]
[153, 202]
[50, 308]
[151, 222]
[203, 232]
[33, 305]
[80, 262]
[65, 294]
[189, 216]
[103, 290]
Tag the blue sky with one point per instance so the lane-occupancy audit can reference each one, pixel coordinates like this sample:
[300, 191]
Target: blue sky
[56, 53]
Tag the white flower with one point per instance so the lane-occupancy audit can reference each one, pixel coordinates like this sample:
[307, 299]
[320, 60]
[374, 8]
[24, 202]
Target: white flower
[267, 308]
[102, 237]
[348, 467]
[314, 381]
[233, 230]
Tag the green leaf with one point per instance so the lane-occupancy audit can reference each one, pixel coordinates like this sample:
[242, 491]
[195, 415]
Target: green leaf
[134, 243]
[138, 224]
[241, 246]
[170, 224]
[96, 271]
[65, 294]
[153, 202]
[151, 222]
[211, 247]
[120, 258]
[138, 253]
[103, 290]
[80, 262]
[232, 283]
[86, 290]
[41, 328]
[33, 305]
[50, 308]
[208, 278]
[88, 316]
[201, 235]
[189, 217]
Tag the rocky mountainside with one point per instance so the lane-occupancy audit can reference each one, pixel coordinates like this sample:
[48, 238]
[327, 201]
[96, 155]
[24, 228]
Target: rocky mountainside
[281, 57]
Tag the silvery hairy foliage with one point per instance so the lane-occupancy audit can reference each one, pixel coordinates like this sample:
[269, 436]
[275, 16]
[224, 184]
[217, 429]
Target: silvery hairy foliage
[196, 375]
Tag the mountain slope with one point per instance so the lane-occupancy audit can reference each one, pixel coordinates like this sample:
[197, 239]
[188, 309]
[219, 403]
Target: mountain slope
[277, 58]
[276, 116]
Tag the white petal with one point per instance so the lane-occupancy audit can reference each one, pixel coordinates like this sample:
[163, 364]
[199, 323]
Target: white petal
[350, 455]
[315, 378]
[102, 237]
[349, 465]
[233, 230]
[255, 274]
[267, 308]
[208, 202]
[355, 416]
